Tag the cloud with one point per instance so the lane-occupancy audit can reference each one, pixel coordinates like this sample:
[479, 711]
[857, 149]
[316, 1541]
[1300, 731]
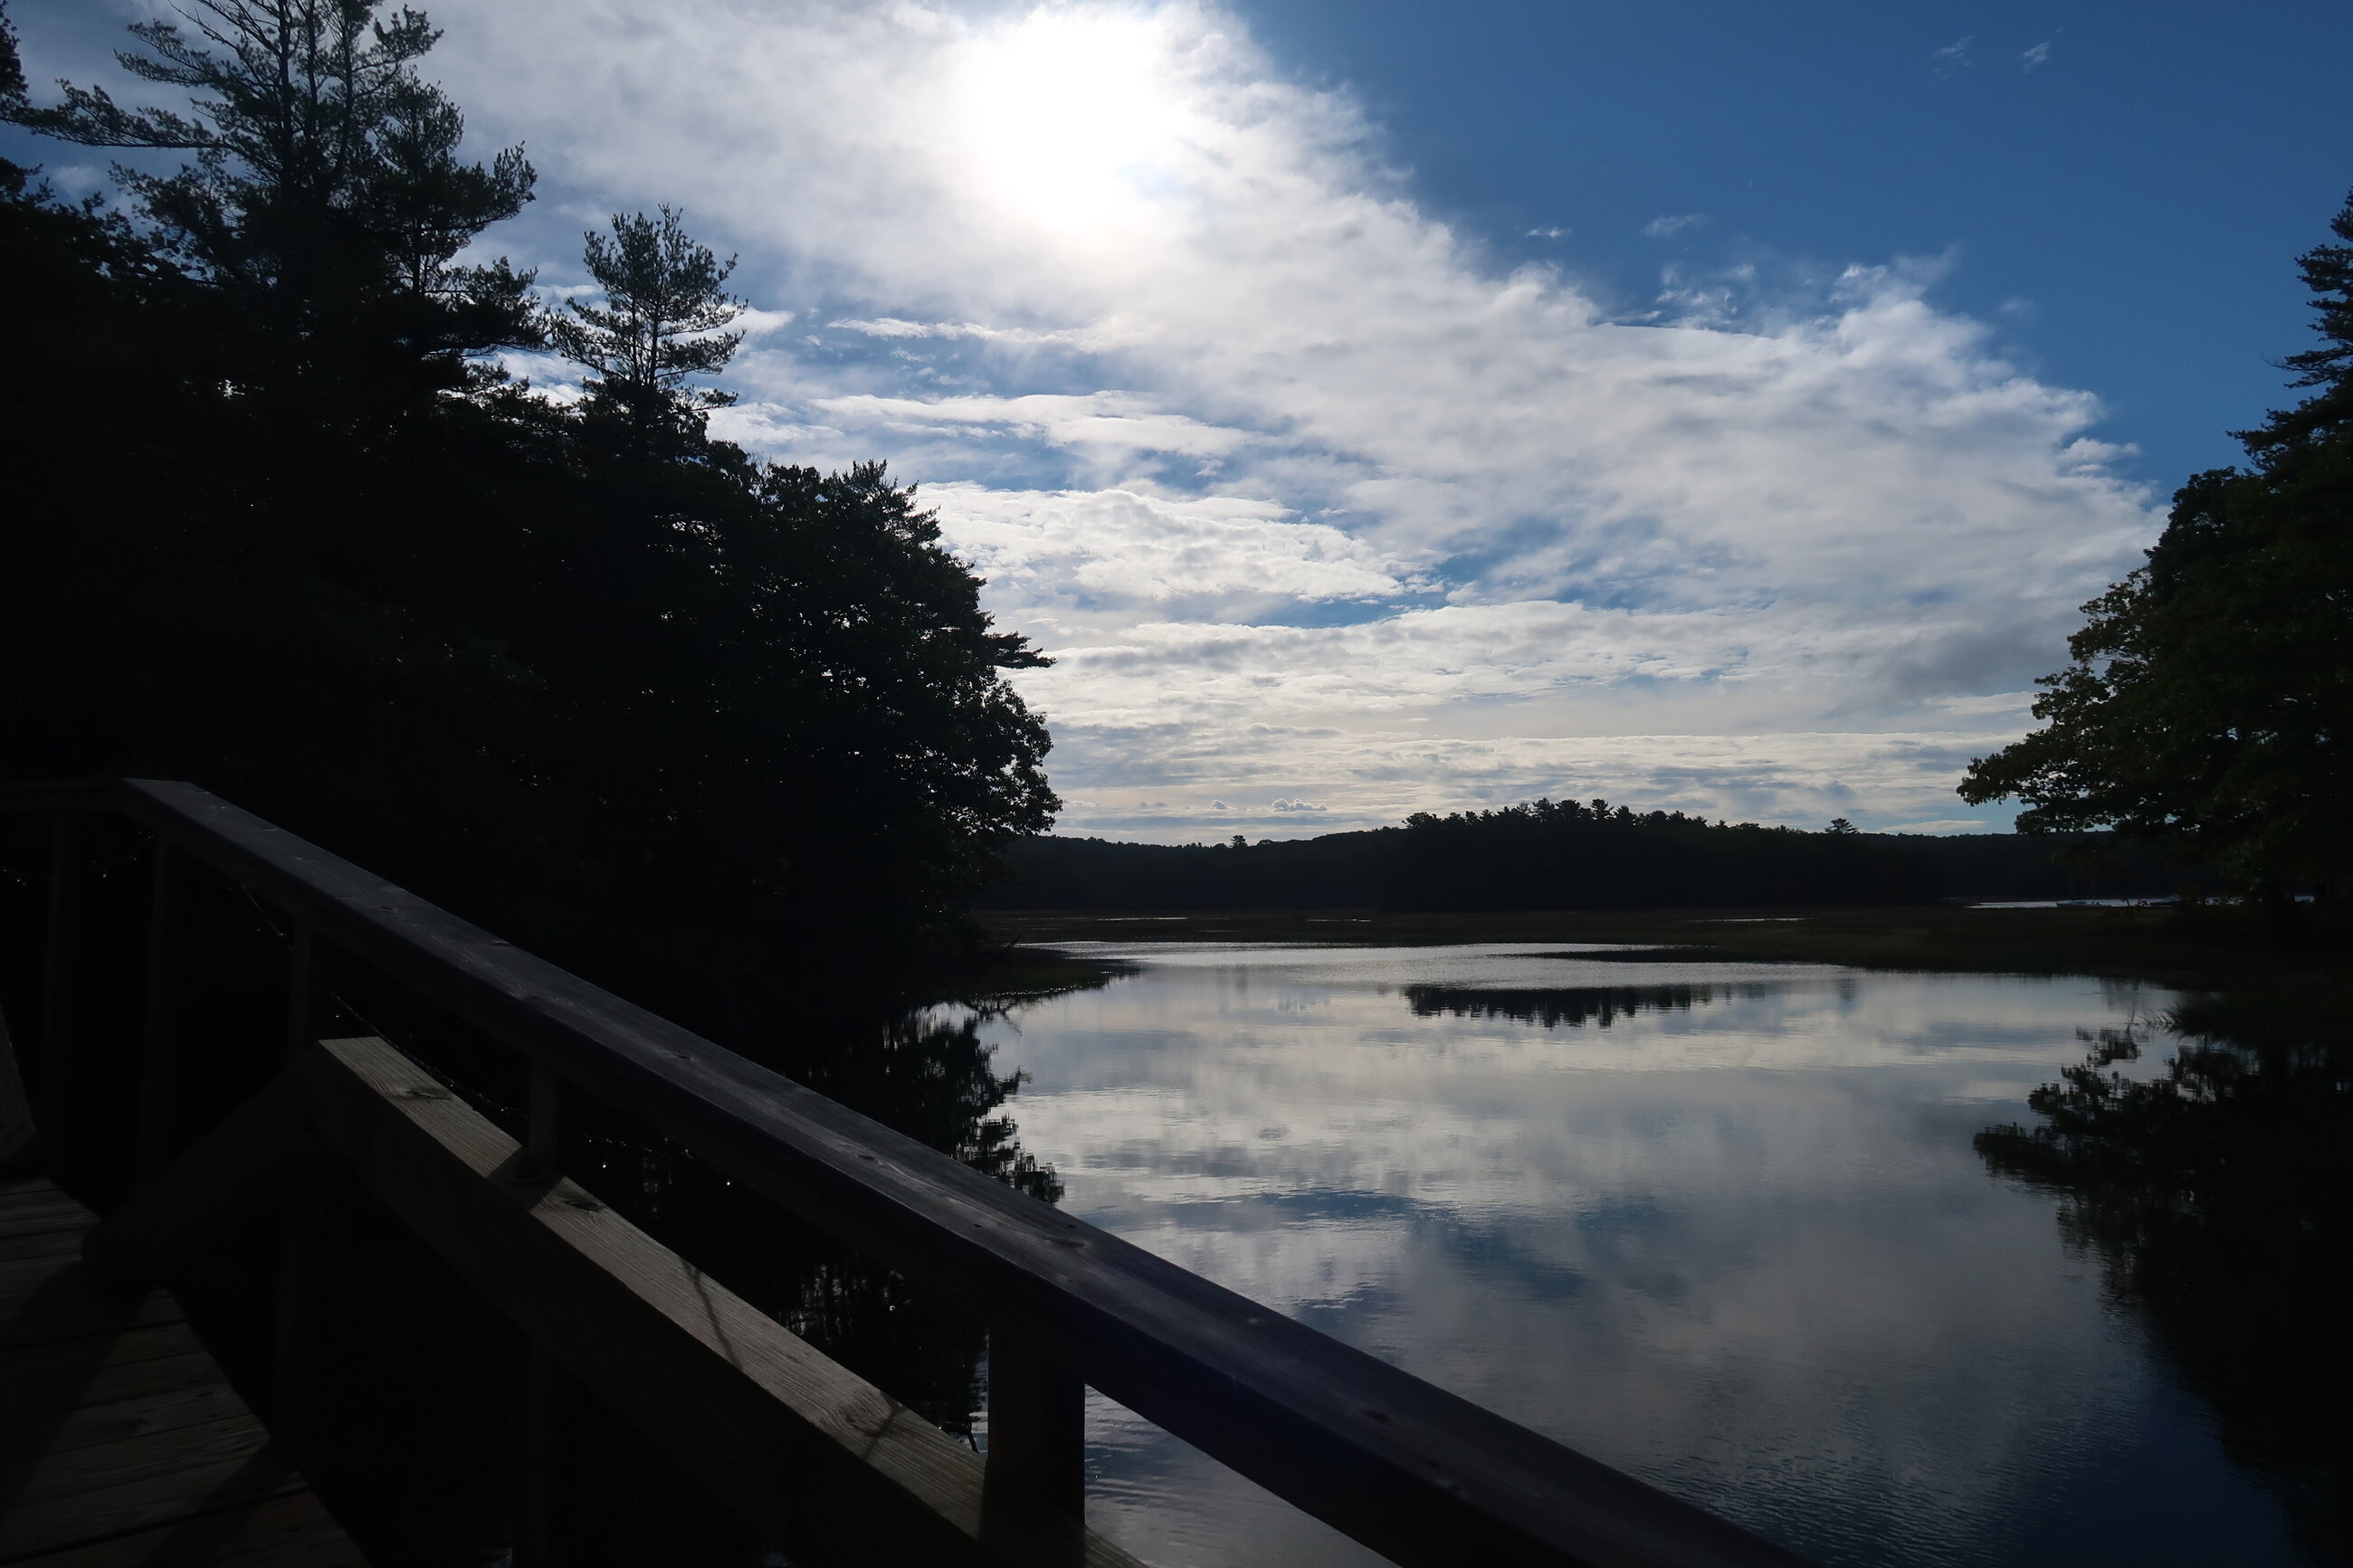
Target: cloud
[753, 323]
[1286, 470]
[1665, 226]
[2038, 55]
[1555, 232]
[1372, 774]
[1958, 55]
[1097, 420]
[892, 327]
[76, 179]
[2005, 703]
[1041, 551]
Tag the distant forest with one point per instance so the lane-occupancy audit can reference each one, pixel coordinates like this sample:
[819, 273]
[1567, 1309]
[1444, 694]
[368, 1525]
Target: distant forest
[1563, 855]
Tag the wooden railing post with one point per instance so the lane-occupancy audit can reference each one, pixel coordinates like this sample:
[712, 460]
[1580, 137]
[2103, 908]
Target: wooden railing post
[158, 1066]
[301, 1355]
[57, 1096]
[552, 1397]
[1035, 1489]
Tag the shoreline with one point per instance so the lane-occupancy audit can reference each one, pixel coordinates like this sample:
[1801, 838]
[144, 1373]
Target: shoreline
[2200, 950]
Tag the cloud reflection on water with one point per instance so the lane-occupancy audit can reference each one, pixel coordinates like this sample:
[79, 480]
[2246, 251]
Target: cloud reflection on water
[1735, 1240]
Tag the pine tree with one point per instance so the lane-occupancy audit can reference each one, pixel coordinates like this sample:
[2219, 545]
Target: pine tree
[663, 321]
[325, 195]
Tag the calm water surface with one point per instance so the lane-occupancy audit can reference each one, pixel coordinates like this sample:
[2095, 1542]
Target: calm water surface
[1719, 1225]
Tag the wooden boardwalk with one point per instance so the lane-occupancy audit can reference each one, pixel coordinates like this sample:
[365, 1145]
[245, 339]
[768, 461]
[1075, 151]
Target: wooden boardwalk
[121, 1446]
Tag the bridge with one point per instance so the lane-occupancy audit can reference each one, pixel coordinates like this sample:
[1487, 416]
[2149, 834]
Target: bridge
[122, 1443]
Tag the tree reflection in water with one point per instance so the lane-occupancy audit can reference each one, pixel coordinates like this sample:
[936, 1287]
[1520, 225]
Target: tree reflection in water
[2219, 1197]
[1555, 1007]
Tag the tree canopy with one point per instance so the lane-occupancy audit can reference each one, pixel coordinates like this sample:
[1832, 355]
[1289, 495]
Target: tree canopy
[282, 523]
[2205, 706]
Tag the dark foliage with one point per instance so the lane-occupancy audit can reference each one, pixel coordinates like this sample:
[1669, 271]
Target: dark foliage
[2207, 704]
[276, 522]
[1544, 856]
[279, 525]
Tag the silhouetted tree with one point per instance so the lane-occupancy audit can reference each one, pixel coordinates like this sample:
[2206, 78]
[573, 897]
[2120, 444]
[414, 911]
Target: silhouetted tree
[2207, 703]
[649, 698]
[325, 198]
[12, 101]
[663, 321]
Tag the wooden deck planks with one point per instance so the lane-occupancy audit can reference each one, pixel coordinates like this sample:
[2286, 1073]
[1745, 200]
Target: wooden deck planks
[38, 1230]
[120, 1442]
[290, 1532]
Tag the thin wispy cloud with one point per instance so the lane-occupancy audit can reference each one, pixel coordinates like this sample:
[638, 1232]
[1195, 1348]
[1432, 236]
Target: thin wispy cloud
[2040, 55]
[1667, 226]
[1312, 496]
[892, 327]
[1958, 55]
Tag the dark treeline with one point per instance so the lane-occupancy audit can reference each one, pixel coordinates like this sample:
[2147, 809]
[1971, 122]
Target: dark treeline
[278, 522]
[1548, 855]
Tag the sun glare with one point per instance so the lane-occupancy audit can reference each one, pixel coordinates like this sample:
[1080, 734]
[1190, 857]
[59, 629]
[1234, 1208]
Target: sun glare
[1071, 118]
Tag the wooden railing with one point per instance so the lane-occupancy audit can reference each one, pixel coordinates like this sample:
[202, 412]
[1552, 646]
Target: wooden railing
[802, 1447]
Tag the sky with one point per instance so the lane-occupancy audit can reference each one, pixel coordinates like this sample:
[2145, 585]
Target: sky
[1386, 407]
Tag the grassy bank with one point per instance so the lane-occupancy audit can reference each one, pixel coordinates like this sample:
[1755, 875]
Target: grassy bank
[2197, 950]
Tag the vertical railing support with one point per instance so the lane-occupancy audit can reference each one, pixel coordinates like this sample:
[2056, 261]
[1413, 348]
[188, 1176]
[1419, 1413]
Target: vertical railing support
[56, 1095]
[551, 1396]
[300, 1351]
[1034, 1491]
[158, 1063]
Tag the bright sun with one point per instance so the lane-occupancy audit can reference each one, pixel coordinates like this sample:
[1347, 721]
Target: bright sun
[1070, 119]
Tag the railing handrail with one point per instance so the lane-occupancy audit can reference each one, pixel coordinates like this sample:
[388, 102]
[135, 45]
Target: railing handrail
[1416, 1473]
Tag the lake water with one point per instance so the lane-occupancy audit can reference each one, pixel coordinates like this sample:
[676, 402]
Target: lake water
[1721, 1226]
